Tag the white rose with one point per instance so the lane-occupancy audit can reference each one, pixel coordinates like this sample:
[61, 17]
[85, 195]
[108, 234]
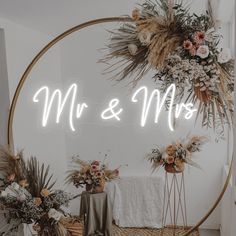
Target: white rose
[203, 51]
[145, 37]
[224, 55]
[4, 194]
[56, 215]
[209, 35]
[15, 186]
[132, 49]
[21, 198]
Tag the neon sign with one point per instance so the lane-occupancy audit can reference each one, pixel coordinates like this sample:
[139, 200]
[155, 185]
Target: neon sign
[114, 109]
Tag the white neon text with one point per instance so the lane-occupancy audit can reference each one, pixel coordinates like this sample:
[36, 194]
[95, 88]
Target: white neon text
[160, 104]
[113, 114]
[114, 109]
[60, 104]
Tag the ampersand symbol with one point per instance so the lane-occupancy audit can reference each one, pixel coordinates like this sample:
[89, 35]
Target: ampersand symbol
[112, 113]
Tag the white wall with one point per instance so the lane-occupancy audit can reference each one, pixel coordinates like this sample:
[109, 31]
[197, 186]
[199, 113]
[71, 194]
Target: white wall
[4, 91]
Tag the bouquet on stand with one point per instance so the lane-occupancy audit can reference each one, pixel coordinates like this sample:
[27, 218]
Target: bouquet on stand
[174, 157]
[92, 174]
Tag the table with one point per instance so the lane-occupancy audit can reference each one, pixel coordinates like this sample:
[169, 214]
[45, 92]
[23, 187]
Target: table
[97, 212]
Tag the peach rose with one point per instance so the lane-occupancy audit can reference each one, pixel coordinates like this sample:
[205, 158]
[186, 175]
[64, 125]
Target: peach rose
[170, 160]
[187, 44]
[36, 228]
[199, 37]
[179, 165]
[24, 183]
[170, 150]
[45, 192]
[37, 201]
[136, 14]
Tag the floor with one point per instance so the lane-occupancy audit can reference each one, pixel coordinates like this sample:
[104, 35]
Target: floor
[209, 233]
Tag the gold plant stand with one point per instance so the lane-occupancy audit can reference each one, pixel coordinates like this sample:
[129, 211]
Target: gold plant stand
[174, 204]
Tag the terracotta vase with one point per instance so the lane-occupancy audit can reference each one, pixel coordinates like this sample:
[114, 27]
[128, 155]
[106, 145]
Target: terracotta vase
[100, 188]
[171, 169]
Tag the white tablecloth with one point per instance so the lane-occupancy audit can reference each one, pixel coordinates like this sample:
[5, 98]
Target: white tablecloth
[137, 201]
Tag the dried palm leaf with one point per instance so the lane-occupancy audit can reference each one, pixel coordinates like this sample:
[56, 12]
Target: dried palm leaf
[38, 176]
[72, 227]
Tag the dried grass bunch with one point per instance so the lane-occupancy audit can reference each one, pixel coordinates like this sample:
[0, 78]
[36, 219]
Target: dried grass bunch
[27, 196]
[183, 49]
[174, 157]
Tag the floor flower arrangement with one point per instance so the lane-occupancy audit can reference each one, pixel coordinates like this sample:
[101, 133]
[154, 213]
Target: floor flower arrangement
[27, 197]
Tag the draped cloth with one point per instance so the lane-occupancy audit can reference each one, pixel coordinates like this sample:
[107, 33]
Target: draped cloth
[137, 201]
[97, 212]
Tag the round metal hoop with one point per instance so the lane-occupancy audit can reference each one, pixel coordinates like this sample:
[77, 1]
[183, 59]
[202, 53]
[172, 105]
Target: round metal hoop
[50, 45]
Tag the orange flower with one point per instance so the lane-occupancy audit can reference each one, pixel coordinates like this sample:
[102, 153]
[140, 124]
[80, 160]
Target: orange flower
[36, 228]
[170, 150]
[11, 177]
[199, 37]
[179, 164]
[187, 44]
[136, 14]
[45, 192]
[37, 201]
[170, 160]
[24, 183]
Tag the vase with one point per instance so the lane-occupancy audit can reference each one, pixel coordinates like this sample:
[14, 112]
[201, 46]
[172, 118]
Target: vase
[88, 187]
[171, 169]
[100, 187]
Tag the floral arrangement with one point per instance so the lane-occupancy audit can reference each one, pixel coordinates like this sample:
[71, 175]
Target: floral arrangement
[183, 50]
[27, 197]
[174, 157]
[92, 174]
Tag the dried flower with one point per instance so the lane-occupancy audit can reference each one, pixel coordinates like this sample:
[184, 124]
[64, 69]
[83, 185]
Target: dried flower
[36, 228]
[199, 37]
[145, 37]
[37, 201]
[209, 35]
[24, 183]
[132, 49]
[187, 44]
[54, 214]
[136, 14]
[45, 192]
[179, 165]
[94, 168]
[11, 177]
[96, 163]
[170, 159]
[21, 198]
[16, 157]
[3, 194]
[203, 51]
[170, 150]
[224, 55]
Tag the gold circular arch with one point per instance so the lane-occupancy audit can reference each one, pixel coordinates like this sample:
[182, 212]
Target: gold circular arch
[50, 45]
